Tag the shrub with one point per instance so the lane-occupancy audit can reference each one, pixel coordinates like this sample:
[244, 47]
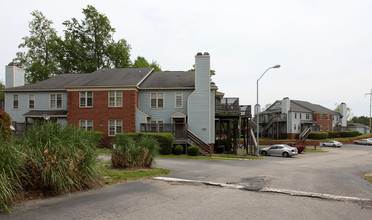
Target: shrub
[334, 134]
[318, 135]
[5, 123]
[130, 153]
[350, 133]
[178, 150]
[97, 136]
[193, 150]
[11, 169]
[165, 140]
[59, 159]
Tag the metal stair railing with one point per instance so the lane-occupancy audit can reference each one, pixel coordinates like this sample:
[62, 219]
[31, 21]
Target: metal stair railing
[204, 148]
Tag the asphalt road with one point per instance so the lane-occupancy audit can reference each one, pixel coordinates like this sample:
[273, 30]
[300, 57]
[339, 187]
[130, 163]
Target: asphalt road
[337, 172]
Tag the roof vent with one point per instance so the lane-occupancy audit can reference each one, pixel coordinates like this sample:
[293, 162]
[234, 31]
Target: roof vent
[199, 54]
[206, 54]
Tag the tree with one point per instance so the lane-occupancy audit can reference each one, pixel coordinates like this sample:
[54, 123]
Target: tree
[89, 44]
[361, 120]
[141, 62]
[39, 61]
[2, 93]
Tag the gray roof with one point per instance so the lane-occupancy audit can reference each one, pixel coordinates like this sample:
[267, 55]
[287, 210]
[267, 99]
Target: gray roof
[303, 106]
[41, 113]
[169, 79]
[358, 125]
[103, 77]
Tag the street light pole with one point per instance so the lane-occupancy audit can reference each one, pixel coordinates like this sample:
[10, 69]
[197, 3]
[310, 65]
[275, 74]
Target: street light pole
[258, 111]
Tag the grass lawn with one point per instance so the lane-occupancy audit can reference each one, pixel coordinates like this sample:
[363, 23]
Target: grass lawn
[114, 175]
[368, 176]
[312, 150]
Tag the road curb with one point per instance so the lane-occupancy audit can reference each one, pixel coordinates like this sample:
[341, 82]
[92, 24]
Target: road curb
[270, 190]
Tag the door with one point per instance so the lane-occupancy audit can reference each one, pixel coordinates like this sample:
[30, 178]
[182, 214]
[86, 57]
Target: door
[179, 127]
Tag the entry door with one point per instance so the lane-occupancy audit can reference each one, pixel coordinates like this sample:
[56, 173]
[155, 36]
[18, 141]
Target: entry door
[179, 127]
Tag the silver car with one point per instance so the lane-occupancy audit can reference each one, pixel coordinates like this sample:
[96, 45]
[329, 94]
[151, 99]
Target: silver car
[332, 144]
[363, 141]
[280, 150]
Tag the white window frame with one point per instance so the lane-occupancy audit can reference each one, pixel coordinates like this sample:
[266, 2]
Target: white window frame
[176, 96]
[320, 116]
[328, 128]
[327, 117]
[55, 101]
[157, 94]
[13, 101]
[295, 115]
[83, 124]
[116, 123]
[117, 98]
[85, 105]
[29, 100]
[307, 116]
[295, 127]
[320, 127]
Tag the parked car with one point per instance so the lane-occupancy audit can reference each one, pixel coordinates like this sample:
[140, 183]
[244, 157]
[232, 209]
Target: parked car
[279, 149]
[299, 147]
[332, 144]
[363, 141]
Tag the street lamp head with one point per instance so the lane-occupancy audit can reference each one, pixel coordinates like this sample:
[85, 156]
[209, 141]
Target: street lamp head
[276, 66]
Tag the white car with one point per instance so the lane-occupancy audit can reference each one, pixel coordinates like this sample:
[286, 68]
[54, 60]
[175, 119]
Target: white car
[332, 144]
[363, 141]
[280, 150]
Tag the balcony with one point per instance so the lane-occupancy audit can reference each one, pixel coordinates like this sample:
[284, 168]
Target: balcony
[227, 107]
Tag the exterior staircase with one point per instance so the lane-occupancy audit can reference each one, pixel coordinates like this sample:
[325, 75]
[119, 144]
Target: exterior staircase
[305, 134]
[204, 148]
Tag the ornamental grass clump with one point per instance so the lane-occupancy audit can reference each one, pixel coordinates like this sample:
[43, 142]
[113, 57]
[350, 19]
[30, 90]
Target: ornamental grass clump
[11, 170]
[132, 154]
[59, 159]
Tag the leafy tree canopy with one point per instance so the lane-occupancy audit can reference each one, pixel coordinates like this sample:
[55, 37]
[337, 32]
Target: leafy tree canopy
[212, 72]
[87, 45]
[141, 62]
[2, 86]
[349, 114]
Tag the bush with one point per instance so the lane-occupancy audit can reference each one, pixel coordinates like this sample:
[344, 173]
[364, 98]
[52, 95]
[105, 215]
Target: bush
[5, 123]
[178, 150]
[130, 153]
[318, 135]
[59, 159]
[193, 150]
[97, 136]
[165, 140]
[11, 169]
[350, 133]
[334, 134]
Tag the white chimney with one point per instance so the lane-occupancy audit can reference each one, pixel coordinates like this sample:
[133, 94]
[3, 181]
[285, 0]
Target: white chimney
[343, 113]
[14, 76]
[286, 104]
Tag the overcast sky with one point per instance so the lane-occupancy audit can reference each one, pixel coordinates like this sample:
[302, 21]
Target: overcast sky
[324, 47]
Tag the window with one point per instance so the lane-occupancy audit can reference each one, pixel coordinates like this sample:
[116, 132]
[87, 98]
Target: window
[115, 127]
[328, 117]
[179, 100]
[295, 116]
[15, 101]
[31, 101]
[321, 127]
[115, 98]
[328, 128]
[307, 116]
[86, 99]
[294, 126]
[300, 115]
[86, 125]
[157, 126]
[321, 116]
[55, 100]
[157, 100]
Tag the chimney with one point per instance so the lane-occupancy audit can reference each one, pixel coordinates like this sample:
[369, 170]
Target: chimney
[286, 105]
[14, 76]
[202, 71]
[343, 112]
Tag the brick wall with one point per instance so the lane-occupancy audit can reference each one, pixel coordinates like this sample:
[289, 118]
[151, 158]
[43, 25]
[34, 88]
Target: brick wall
[100, 113]
[324, 122]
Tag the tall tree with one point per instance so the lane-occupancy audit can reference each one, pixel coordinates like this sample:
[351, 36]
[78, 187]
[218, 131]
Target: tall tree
[2, 86]
[349, 114]
[89, 44]
[39, 61]
[141, 62]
